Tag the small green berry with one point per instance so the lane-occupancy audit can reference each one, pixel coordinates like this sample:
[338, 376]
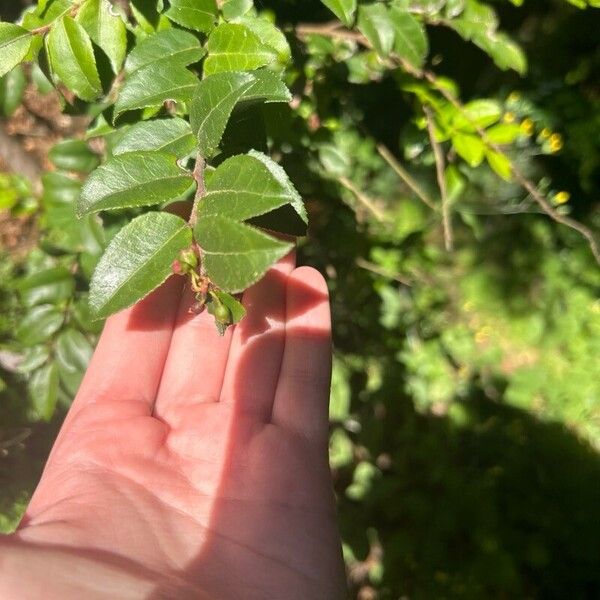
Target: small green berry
[222, 314]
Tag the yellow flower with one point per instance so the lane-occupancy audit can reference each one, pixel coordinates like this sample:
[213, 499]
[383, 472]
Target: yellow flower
[562, 198]
[514, 97]
[546, 133]
[556, 142]
[509, 117]
[527, 127]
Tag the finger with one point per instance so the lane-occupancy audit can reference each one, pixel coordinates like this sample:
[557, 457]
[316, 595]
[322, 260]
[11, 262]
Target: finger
[257, 345]
[196, 362]
[129, 360]
[302, 396]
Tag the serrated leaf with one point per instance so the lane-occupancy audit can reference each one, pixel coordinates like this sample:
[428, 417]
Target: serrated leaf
[470, 147]
[137, 261]
[374, 22]
[477, 113]
[166, 135]
[172, 46]
[234, 47]
[73, 353]
[253, 186]
[343, 9]
[73, 155]
[200, 15]
[43, 391]
[154, 84]
[212, 105]
[105, 29]
[15, 42]
[411, 40]
[133, 179]
[269, 35]
[217, 96]
[236, 255]
[72, 58]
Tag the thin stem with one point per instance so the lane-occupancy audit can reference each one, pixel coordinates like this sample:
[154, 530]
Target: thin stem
[200, 189]
[373, 268]
[440, 168]
[405, 176]
[363, 198]
[303, 30]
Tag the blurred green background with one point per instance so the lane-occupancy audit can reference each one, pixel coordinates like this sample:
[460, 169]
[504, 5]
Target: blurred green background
[465, 409]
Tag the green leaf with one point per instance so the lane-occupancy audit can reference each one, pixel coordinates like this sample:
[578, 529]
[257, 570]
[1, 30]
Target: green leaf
[43, 391]
[269, 35]
[40, 323]
[154, 84]
[504, 133]
[506, 53]
[500, 164]
[137, 261]
[12, 90]
[343, 9]
[212, 105]
[50, 286]
[477, 114]
[72, 58]
[134, 179]
[105, 29]
[33, 358]
[470, 147]
[375, 23]
[171, 46]
[233, 9]
[236, 308]
[217, 95]
[73, 353]
[15, 42]
[411, 40]
[252, 186]
[234, 47]
[73, 155]
[236, 255]
[200, 15]
[167, 135]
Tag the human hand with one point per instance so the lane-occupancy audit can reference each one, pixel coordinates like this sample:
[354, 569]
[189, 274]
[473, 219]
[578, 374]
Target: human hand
[192, 466]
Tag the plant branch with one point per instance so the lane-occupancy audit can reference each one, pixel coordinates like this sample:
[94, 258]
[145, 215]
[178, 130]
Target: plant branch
[440, 168]
[373, 268]
[306, 29]
[367, 202]
[200, 188]
[405, 176]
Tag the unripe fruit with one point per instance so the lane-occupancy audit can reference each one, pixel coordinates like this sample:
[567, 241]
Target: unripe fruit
[188, 257]
[222, 314]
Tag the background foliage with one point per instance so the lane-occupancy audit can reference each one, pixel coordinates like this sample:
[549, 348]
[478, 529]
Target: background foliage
[466, 388]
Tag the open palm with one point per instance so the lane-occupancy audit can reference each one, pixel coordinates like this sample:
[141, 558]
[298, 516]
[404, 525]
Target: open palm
[193, 466]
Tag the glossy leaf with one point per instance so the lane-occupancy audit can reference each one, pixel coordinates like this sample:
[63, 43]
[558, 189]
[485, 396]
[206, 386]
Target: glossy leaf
[72, 58]
[478, 113]
[500, 164]
[14, 46]
[153, 85]
[233, 9]
[236, 255]
[253, 185]
[375, 24]
[43, 391]
[470, 147]
[200, 15]
[234, 47]
[212, 105]
[270, 35]
[73, 155]
[48, 286]
[167, 135]
[343, 9]
[12, 90]
[171, 46]
[411, 41]
[217, 95]
[40, 323]
[137, 261]
[133, 179]
[73, 353]
[105, 29]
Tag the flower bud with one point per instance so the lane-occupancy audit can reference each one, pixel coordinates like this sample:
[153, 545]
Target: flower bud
[188, 257]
